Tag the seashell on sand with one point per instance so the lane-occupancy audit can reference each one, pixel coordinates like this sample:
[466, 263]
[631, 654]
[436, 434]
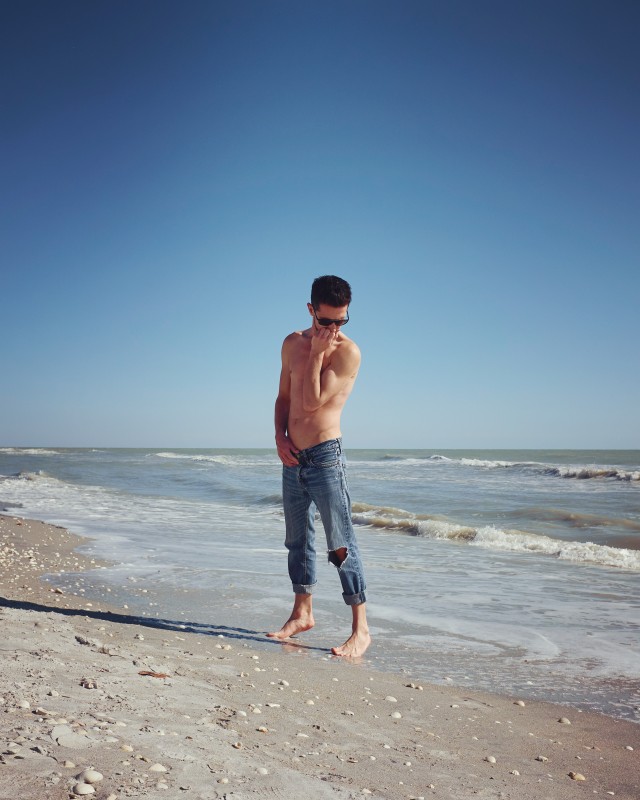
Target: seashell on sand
[90, 776]
[83, 788]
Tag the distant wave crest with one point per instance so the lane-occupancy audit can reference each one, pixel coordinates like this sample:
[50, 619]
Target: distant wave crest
[580, 472]
[28, 451]
[490, 537]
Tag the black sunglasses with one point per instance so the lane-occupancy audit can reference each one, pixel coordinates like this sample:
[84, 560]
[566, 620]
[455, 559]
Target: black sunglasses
[325, 322]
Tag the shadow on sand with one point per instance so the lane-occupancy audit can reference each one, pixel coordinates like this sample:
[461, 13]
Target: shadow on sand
[204, 629]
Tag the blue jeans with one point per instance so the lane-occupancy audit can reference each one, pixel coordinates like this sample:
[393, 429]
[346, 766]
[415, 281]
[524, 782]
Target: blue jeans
[320, 481]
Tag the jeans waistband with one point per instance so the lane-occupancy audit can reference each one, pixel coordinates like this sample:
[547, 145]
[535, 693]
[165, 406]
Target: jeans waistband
[307, 456]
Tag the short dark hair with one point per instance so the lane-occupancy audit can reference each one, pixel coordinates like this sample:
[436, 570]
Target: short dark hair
[330, 290]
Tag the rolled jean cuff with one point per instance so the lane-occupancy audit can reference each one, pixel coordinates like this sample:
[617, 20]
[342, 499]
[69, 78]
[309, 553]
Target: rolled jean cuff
[301, 588]
[354, 599]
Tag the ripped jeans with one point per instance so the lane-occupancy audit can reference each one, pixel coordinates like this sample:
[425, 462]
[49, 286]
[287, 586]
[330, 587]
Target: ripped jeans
[320, 481]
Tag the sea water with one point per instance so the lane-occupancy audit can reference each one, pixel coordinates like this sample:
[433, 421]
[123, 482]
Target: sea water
[510, 571]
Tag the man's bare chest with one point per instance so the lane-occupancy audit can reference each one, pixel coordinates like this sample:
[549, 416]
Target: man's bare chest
[299, 360]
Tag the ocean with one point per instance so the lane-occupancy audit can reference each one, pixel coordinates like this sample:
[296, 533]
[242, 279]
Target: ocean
[509, 571]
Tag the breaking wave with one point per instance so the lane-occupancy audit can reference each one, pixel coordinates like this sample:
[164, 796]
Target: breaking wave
[399, 521]
[221, 459]
[586, 473]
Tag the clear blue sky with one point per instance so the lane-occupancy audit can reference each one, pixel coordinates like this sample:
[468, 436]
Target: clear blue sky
[174, 175]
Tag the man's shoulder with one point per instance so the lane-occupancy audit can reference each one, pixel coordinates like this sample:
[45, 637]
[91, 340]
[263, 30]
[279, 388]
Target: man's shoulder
[293, 338]
[349, 347]
[292, 343]
[348, 354]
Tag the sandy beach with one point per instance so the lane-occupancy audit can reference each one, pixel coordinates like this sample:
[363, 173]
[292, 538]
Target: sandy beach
[158, 710]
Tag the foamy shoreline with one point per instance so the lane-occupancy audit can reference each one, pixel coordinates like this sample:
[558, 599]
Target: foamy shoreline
[227, 721]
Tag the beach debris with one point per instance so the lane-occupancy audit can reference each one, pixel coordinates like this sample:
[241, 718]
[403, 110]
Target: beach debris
[89, 683]
[564, 721]
[88, 642]
[514, 772]
[541, 758]
[577, 776]
[68, 764]
[154, 674]
[139, 637]
[396, 715]
[237, 745]
[628, 747]
[490, 759]
[158, 768]
[262, 771]
[390, 699]
[519, 703]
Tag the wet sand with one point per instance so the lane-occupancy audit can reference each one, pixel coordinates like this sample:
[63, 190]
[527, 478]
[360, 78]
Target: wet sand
[161, 711]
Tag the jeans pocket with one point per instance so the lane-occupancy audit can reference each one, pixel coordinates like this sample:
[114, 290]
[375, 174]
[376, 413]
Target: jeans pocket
[326, 460]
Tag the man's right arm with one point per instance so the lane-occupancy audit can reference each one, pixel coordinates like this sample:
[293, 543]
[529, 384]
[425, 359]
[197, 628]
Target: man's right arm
[285, 446]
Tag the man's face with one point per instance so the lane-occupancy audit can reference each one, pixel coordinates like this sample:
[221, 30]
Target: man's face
[324, 313]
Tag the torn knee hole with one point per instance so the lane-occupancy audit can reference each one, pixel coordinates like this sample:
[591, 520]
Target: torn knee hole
[339, 556]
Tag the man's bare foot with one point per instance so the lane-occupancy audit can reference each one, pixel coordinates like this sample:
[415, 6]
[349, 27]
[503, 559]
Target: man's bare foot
[356, 645]
[293, 626]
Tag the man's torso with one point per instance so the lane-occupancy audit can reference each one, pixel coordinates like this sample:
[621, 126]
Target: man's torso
[305, 428]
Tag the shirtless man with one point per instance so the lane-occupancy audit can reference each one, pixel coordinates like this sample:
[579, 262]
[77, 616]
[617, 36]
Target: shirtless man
[319, 368]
